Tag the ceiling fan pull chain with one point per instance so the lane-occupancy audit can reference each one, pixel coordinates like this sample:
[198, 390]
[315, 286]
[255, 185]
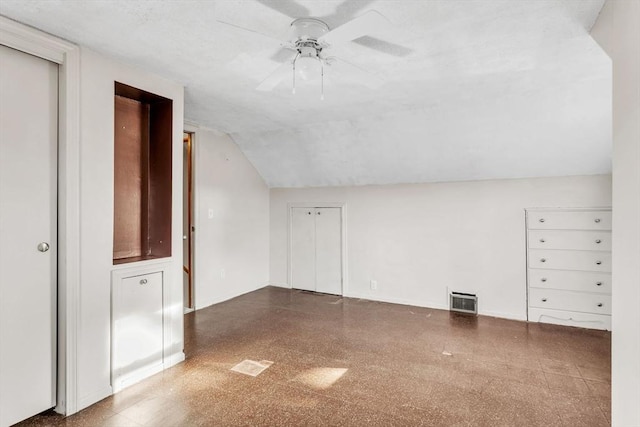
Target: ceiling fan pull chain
[321, 80]
[293, 91]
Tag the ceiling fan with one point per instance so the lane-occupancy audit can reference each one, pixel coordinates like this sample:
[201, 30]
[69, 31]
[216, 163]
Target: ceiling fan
[309, 42]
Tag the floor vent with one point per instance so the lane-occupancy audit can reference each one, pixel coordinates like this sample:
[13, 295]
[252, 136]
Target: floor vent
[463, 303]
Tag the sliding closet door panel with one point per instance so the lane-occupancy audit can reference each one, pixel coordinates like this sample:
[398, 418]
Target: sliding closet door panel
[328, 251]
[303, 249]
[28, 144]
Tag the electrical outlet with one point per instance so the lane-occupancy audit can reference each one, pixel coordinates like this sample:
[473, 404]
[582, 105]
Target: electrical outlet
[374, 285]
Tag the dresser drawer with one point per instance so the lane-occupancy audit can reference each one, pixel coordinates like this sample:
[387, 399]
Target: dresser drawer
[569, 300]
[570, 318]
[556, 259]
[586, 281]
[570, 239]
[569, 220]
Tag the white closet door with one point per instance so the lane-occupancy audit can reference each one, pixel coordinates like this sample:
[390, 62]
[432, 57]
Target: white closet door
[303, 249]
[328, 251]
[28, 145]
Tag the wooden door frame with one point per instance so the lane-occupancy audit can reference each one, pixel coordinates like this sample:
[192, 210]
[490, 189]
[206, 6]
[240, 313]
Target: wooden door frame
[193, 129]
[190, 230]
[343, 236]
[67, 56]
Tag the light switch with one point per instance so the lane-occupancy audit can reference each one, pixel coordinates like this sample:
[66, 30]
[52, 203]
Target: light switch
[210, 214]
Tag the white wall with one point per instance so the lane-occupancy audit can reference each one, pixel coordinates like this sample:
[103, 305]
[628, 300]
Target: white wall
[236, 238]
[618, 32]
[96, 215]
[416, 240]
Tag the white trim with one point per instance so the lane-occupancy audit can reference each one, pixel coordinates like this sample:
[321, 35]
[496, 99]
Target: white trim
[67, 56]
[343, 228]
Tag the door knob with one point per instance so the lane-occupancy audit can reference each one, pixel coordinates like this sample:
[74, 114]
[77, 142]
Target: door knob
[43, 247]
[184, 237]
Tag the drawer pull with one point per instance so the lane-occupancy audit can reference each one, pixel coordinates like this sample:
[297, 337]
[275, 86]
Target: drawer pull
[544, 300]
[541, 220]
[544, 279]
[599, 284]
[543, 260]
[143, 281]
[542, 240]
[599, 304]
[597, 220]
[598, 262]
[598, 241]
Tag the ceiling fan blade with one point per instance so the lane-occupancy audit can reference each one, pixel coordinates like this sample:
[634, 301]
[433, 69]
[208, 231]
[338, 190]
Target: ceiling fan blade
[287, 7]
[282, 72]
[247, 30]
[360, 75]
[351, 7]
[389, 48]
[371, 22]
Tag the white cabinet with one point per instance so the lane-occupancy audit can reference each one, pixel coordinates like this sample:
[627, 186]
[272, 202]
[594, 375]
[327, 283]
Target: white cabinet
[569, 267]
[140, 324]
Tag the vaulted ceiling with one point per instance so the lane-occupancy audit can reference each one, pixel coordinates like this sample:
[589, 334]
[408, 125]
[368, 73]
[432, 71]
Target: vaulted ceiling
[468, 89]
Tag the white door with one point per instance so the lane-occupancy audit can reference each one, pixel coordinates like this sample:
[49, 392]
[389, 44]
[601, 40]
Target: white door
[28, 145]
[328, 251]
[316, 249]
[303, 249]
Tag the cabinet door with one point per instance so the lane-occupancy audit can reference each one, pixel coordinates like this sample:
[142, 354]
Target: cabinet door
[328, 250]
[137, 324]
[303, 249]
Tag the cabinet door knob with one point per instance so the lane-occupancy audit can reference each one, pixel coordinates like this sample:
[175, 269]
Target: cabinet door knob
[143, 281]
[544, 300]
[597, 220]
[542, 240]
[541, 220]
[544, 279]
[598, 241]
[543, 260]
[598, 262]
[599, 284]
[599, 304]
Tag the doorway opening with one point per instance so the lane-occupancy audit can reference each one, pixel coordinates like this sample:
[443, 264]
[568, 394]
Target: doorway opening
[188, 227]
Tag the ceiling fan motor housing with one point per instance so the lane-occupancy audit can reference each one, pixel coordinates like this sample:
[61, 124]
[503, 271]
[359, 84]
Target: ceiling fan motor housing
[308, 30]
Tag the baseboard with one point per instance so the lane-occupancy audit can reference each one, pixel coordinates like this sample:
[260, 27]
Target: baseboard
[502, 315]
[174, 359]
[279, 285]
[425, 304]
[93, 397]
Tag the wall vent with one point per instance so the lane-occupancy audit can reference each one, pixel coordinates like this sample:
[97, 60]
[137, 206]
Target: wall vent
[463, 303]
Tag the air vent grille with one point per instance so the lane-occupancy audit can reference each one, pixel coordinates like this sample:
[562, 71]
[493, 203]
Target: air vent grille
[463, 303]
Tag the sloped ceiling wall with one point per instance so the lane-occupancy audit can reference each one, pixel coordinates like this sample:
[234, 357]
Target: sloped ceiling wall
[471, 89]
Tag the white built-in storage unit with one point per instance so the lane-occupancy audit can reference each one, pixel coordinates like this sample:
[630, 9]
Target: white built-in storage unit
[569, 266]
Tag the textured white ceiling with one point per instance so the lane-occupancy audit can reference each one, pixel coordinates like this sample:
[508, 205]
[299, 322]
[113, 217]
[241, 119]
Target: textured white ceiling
[472, 89]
